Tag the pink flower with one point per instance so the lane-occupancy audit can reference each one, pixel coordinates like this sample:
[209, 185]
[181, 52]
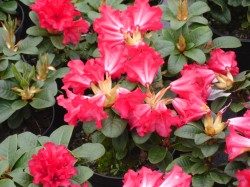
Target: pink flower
[145, 177]
[190, 110]
[81, 76]
[247, 113]
[176, 178]
[126, 100]
[52, 166]
[83, 108]
[112, 59]
[147, 120]
[241, 124]
[236, 144]
[223, 62]
[144, 64]
[72, 34]
[243, 177]
[195, 82]
[117, 28]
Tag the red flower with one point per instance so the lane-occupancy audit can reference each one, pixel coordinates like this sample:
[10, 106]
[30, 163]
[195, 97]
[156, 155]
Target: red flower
[223, 62]
[241, 124]
[81, 76]
[146, 17]
[247, 113]
[144, 64]
[190, 110]
[55, 15]
[195, 82]
[53, 166]
[112, 59]
[118, 28]
[176, 178]
[144, 177]
[83, 108]
[236, 144]
[243, 177]
[126, 100]
[72, 34]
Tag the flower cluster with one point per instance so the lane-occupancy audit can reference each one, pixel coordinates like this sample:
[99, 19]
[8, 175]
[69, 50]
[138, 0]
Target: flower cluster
[60, 16]
[148, 178]
[53, 166]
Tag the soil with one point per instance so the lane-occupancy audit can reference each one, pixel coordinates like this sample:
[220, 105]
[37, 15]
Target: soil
[235, 27]
[39, 123]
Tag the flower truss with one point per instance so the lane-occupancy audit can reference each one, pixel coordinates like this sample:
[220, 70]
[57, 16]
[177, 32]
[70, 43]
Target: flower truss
[59, 17]
[52, 166]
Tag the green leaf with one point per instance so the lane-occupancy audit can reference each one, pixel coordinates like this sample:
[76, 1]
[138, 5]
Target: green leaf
[140, 139]
[223, 15]
[89, 127]
[8, 149]
[62, 135]
[37, 31]
[196, 55]
[23, 161]
[15, 120]
[43, 99]
[97, 137]
[44, 139]
[4, 166]
[203, 180]
[93, 15]
[18, 104]
[127, 84]
[164, 47]
[57, 41]
[236, 107]
[201, 35]
[209, 150]
[166, 161]
[176, 24]
[89, 151]
[27, 140]
[20, 177]
[220, 178]
[218, 104]
[7, 182]
[28, 45]
[199, 168]
[187, 131]
[83, 174]
[113, 126]
[5, 90]
[199, 19]
[176, 63]
[243, 86]
[34, 18]
[183, 161]
[226, 42]
[120, 142]
[198, 8]
[9, 6]
[232, 167]
[156, 154]
[201, 138]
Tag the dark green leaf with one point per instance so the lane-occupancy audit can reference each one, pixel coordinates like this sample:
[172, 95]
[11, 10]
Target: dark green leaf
[57, 41]
[140, 139]
[5, 90]
[176, 63]
[187, 131]
[199, 168]
[196, 55]
[203, 180]
[232, 167]
[27, 140]
[121, 141]
[89, 151]
[62, 135]
[43, 99]
[226, 42]
[113, 126]
[183, 161]
[156, 154]
[220, 178]
[209, 150]
[201, 138]
[84, 173]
